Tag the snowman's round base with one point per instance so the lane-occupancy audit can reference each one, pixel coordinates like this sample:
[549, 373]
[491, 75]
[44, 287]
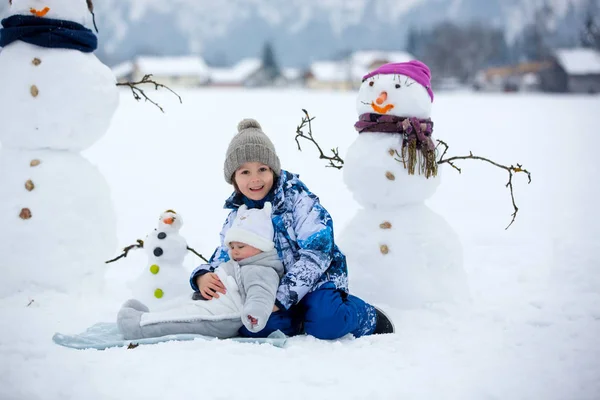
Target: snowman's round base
[405, 257]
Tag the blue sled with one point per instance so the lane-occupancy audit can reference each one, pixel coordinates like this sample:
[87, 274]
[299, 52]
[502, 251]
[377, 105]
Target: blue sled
[105, 335]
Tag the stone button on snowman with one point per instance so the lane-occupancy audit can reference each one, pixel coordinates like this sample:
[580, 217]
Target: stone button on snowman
[399, 251]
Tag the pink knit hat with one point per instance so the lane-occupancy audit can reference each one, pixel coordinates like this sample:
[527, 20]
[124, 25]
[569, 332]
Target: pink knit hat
[413, 69]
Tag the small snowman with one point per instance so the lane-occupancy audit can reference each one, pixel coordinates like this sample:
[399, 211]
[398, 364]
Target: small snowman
[164, 278]
[57, 99]
[399, 251]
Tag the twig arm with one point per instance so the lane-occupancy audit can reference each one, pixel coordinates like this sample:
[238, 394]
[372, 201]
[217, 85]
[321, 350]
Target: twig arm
[198, 254]
[510, 169]
[138, 245]
[335, 161]
[138, 93]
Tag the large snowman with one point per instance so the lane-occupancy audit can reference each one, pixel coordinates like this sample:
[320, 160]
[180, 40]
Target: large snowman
[165, 279]
[399, 251]
[57, 99]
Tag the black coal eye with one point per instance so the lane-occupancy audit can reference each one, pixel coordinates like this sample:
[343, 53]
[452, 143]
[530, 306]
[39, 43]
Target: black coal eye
[371, 83]
[397, 86]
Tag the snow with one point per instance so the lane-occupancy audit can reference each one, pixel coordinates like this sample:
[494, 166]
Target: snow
[579, 61]
[532, 329]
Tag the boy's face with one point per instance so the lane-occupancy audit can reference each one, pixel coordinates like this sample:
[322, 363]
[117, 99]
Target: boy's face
[254, 180]
[239, 250]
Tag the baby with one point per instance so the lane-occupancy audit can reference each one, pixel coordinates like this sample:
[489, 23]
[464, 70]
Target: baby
[250, 277]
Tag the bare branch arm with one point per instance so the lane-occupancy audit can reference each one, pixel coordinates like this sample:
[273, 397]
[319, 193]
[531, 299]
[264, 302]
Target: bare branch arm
[139, 245]
[198, 254]
[510, 169]
[335, 161]
[138, 93]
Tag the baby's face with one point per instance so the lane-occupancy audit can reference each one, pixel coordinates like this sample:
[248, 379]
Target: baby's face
[239, 250]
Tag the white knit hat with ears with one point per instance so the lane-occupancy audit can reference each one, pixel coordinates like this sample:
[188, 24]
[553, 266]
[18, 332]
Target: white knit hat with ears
[254, 227]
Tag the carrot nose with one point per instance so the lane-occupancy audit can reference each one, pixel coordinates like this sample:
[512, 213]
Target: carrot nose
[39, 13]
[168, 221]
[382, 98]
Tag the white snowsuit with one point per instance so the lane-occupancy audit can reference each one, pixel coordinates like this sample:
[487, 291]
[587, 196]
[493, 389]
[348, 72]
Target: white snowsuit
[251, 288]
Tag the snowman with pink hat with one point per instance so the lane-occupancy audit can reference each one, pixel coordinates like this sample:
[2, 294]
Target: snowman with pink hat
[400, 252]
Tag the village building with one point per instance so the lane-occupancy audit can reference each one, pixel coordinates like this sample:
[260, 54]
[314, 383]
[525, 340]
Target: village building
[186, 71]
[347, 74]
[328, 75]
[522, 77]
[572, 70]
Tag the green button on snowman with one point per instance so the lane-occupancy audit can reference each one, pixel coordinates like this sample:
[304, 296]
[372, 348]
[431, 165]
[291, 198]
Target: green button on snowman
[165, 277]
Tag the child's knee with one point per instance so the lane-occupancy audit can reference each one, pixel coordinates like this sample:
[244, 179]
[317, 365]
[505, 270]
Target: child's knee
[328, 316]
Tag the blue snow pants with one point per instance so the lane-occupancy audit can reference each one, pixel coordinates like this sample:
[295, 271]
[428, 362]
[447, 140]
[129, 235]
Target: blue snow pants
[324, 314]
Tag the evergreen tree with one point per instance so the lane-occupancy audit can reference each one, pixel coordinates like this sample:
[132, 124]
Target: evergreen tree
[412, 42]
[590, 35]
[269, 63]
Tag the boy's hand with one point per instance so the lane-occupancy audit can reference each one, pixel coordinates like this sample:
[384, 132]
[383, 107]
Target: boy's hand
[210, 285]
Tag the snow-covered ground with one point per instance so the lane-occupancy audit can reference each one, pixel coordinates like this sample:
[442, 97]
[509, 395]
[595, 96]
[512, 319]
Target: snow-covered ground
[532, 331]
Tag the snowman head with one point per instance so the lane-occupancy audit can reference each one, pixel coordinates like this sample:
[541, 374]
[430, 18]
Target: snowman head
[381, 168]
[170, 221]
[71, 10]
[400, 89]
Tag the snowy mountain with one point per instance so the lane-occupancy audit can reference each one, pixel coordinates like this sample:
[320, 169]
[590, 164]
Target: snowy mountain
[300, 30]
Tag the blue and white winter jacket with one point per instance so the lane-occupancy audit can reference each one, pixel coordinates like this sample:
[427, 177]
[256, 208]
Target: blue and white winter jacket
[303, 239]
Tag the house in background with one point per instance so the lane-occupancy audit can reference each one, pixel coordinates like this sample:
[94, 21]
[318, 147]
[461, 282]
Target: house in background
[249, 72]
[365, 61]
[329, 75]
[572, 70]
[511, 78]
[347, 74]
[235, 76]
[186, 71]
[294, 77]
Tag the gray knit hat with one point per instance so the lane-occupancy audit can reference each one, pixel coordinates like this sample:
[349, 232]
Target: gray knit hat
[250, 145]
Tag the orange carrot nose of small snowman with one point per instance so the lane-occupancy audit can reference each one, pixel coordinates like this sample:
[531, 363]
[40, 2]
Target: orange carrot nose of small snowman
[168, 220]
[382, 98]
[39, 13]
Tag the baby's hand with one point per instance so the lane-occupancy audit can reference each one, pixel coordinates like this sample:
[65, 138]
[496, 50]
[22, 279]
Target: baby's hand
[254, 318]
[253, 321]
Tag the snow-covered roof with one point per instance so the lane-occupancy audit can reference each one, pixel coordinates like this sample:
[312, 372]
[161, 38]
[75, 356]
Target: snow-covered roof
[368, 57]
[330, 71]
[362, 61]
[579, 61]
[291, 73]
[236, 74]
[173, 66]
[123, 69]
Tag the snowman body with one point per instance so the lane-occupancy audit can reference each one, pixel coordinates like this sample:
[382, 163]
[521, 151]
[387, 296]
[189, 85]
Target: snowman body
[54, 204]
[164, 279]
[399, 251]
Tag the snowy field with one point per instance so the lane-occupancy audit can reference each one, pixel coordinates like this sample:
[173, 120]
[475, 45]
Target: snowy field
[532, 331]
